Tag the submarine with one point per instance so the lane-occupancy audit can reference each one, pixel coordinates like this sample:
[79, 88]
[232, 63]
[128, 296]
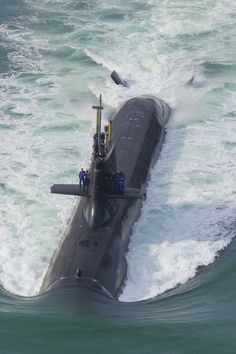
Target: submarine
[92, 253]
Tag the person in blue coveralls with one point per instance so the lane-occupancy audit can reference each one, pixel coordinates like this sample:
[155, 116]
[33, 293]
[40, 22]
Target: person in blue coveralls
[121, 182]
[114, 182]
[86, 180]
[81, 177]
[118, 181]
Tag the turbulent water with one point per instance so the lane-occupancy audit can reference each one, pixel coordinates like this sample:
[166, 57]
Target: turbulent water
[55, 58]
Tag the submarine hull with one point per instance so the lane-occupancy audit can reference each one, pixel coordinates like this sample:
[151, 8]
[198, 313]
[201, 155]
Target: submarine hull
[96, 256]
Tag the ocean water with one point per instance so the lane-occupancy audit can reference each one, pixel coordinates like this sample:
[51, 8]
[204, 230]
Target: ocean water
[55, 59]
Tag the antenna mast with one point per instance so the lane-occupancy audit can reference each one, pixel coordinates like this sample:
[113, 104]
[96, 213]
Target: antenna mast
[99, 122]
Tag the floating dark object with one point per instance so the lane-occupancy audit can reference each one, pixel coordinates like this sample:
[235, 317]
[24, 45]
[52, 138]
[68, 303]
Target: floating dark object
[118, 79]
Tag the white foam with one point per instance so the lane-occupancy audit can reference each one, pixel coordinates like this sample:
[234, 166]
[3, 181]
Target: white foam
[169, 264]
[189, 213]
[38, 149]
[99, 60]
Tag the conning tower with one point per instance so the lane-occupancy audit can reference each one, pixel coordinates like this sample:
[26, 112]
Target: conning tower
[106, 180]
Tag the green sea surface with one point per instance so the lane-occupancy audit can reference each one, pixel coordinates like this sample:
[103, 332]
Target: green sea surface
[55, 59]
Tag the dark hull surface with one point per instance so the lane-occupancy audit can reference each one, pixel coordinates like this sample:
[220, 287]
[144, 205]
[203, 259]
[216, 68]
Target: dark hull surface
[96, 257]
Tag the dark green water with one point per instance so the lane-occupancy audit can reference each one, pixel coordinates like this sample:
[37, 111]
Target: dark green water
[198, 317]
[55, 58]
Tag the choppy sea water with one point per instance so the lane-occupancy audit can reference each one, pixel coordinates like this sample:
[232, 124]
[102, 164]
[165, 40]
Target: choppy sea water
[55, 59]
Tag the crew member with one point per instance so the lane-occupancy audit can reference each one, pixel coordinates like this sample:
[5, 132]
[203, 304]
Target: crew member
[114, 182]
[81, 177]
[102, 137]
[102, 148]
[121, 182]
[86, 180]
